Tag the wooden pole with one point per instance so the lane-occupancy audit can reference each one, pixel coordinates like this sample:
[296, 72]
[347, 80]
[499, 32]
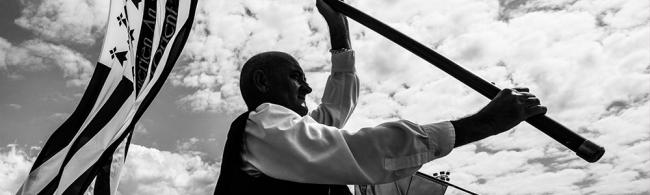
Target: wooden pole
[584, 148]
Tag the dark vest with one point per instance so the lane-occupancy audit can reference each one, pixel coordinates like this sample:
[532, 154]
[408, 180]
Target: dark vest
[233, 180]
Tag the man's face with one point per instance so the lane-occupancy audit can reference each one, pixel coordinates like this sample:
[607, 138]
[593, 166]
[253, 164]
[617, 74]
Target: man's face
[288, 87]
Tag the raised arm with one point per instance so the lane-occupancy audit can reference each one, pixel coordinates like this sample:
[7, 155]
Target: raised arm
[342, 88]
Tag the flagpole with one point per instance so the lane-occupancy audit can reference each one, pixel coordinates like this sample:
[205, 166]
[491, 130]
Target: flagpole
[443, 182]
[584, 148]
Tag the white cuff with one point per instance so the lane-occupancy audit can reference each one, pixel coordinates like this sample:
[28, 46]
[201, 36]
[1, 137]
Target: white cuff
[343, 61]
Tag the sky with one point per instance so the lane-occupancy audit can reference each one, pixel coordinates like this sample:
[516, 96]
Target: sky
[587, 60]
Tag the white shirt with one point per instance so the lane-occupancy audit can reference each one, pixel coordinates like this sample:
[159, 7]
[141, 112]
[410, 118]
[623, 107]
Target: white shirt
[314, 149]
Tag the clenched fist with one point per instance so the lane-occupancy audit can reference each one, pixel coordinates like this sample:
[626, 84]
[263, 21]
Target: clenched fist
[509, 108]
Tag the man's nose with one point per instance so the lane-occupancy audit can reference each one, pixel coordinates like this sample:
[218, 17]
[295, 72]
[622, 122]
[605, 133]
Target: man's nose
[304, 88]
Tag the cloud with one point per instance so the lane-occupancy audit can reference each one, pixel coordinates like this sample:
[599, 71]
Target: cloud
[186, 145]
[214, 101]
[202, 147]
[37, 55]
[140, 129]
[4, 47]
[151, 171]
[147, 171]
[14, 166]
[58, 117]
[15, 106]
[627, 14]
[65, 21]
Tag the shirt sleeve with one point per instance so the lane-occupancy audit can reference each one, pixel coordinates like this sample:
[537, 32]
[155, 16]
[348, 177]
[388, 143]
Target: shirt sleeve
[284, 145]
[341, 92]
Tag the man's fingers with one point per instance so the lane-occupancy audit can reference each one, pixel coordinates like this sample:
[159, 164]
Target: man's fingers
[506, 92]
[521, 89]
[532, 101]
[536, 110]
[322, 6]
[526, 94]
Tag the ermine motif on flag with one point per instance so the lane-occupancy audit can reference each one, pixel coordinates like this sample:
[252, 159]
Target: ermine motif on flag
[136, 3]
[131, 36]
[121, 56]
[121, 20]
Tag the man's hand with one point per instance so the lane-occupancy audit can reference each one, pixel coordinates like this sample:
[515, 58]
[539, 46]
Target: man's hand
[328, 13]
[338, 25]
[509, 108]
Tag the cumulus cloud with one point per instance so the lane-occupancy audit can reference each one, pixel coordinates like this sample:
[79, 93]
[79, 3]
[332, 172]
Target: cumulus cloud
[188, 145]
[147, 171]
[37, 55]
[209, 100]
[69, 21]
[140, 129]
[151, 171]
[4, 47]
[14, 165]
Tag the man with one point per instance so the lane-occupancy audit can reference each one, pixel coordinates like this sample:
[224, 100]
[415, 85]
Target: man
[278, 147]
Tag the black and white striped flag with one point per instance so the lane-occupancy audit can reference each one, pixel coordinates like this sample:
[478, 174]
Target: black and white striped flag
[86, 153]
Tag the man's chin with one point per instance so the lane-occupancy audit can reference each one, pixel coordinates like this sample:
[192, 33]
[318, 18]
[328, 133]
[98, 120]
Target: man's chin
[302, 109]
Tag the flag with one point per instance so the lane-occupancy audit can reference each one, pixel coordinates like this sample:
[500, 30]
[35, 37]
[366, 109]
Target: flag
[142, 43]
[417, 184]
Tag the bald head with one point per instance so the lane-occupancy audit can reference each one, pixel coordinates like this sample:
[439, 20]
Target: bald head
[273, 77]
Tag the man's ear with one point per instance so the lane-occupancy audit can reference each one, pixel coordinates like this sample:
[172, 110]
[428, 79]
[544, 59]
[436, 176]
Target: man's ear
[260, 81]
